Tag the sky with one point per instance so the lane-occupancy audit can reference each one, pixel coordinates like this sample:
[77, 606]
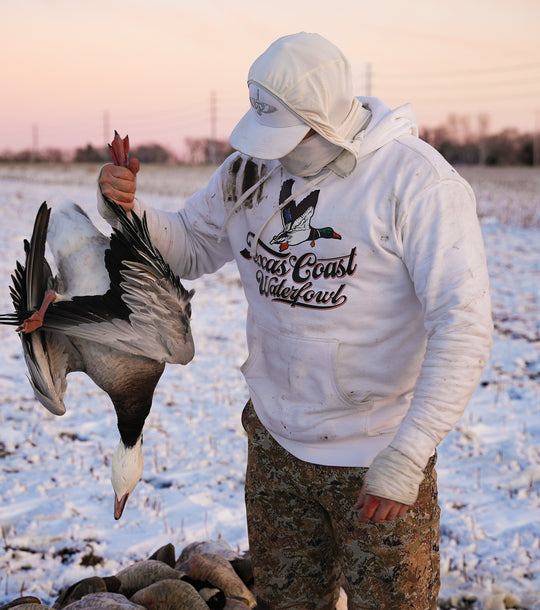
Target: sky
[72, 71]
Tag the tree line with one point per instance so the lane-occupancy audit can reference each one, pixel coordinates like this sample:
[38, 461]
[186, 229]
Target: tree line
[199, 151]
[457, 140]
[459, 143]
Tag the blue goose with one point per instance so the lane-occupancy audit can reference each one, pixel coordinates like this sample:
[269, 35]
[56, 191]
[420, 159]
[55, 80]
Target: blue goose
[114, 311]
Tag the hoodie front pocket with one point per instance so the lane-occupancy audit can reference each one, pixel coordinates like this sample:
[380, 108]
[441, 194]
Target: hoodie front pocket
[294, 386]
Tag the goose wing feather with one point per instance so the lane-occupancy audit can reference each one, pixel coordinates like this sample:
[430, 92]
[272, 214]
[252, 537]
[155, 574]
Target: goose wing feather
[47, 357]
[47, 363]
[145, 312]
[160, 313]
[158, 325]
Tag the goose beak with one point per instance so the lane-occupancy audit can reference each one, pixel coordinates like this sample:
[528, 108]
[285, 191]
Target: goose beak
[119, 505]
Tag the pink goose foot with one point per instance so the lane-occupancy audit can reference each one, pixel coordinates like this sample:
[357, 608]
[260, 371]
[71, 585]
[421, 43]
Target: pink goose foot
[35, 321]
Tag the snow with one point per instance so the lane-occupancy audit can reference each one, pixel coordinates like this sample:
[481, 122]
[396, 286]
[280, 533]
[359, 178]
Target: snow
[56, 500]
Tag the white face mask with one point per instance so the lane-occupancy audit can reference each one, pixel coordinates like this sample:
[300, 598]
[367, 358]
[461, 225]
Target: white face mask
[310, 156]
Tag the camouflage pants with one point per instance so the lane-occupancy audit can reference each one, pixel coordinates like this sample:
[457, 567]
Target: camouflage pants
[305, 538]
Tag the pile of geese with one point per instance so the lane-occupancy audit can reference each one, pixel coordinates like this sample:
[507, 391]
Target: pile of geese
[114, 310]
[208, 574]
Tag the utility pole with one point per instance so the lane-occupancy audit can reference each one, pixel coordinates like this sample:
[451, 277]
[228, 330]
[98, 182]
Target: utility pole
[483, 127]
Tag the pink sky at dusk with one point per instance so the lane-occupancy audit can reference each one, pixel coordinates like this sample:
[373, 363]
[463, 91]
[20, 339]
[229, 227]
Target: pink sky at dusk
[71, 69]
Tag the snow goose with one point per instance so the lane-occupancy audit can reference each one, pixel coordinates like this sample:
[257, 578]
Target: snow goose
[114, 311]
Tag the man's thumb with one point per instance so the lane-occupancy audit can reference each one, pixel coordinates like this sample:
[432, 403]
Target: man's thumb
[134, 165]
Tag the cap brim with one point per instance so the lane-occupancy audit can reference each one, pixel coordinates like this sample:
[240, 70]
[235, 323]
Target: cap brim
[263, 142]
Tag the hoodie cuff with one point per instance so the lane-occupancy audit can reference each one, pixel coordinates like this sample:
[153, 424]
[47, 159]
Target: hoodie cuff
[414, 443]
[394, 476]
[103, 208]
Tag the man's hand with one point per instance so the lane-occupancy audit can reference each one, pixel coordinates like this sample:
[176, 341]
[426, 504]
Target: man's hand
[374, 508]
[120, 183]
[391, 475]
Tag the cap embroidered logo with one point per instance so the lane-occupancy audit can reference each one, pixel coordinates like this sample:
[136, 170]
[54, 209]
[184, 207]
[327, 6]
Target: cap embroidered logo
[261, 107]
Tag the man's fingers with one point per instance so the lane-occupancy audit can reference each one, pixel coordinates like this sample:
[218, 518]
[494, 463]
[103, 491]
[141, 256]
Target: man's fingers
[382, 512]
[118, 191]
[123, 179]
[374, 508]
[403, 509]
[395, 511]
[369, 507]
[119, 183]
[119, 197]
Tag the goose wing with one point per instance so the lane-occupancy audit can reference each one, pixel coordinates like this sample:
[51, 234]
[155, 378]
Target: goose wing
[146, 310]
[47, 361]
[47, 356]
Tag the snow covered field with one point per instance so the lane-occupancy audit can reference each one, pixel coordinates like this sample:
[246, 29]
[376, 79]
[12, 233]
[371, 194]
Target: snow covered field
[56, 500]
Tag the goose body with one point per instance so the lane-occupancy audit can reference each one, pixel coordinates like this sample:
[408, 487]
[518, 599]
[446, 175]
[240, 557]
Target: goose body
[118, 314]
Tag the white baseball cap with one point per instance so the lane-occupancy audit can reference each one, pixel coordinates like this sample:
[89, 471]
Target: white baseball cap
[268, 130]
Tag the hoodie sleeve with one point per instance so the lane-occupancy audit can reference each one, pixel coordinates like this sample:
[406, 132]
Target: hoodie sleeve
[444, 254]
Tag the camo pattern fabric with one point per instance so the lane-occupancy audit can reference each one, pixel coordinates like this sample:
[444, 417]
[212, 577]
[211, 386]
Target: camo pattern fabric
[306, 540]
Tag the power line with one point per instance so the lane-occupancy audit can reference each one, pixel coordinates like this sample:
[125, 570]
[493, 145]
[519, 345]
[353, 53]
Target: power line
[483, 99]
[477, 84]
[490, 84]
[460, 73]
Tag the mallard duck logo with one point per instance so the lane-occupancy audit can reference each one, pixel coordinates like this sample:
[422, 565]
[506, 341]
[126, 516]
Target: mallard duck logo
[296, 221]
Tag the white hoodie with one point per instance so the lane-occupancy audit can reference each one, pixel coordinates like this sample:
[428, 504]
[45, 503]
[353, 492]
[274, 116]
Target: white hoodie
[369, 309]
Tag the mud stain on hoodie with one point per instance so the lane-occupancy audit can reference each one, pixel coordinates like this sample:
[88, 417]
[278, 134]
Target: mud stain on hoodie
[229, 184]
[244, 174]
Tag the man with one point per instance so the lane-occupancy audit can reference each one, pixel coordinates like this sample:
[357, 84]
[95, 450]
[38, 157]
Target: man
[369, 323]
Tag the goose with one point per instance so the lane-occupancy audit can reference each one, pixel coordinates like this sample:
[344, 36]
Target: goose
[114, 311]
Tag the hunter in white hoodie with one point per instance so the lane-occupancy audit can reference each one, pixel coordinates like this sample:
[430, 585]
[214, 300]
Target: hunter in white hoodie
[363, 265]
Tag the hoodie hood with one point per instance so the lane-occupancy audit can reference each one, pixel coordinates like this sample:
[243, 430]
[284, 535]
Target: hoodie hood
[312, 79]
[386, 124]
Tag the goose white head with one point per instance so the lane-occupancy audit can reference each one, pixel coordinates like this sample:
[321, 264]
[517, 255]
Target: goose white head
[127, 469]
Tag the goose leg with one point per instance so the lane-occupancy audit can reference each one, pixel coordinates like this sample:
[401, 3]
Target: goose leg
[119, 150]
[35, 321]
